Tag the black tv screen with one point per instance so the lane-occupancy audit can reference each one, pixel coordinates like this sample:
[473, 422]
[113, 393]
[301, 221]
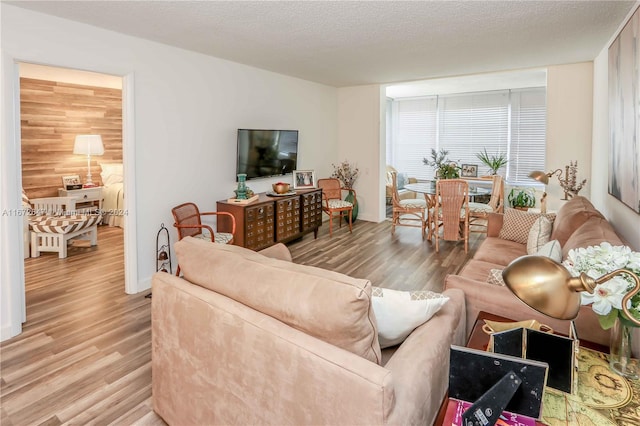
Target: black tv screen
[264, 153]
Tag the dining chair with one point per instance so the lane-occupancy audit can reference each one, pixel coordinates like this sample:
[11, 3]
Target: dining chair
[451, 211]
[188, 222]
[478, 212]
[408, 211]
[333, 203]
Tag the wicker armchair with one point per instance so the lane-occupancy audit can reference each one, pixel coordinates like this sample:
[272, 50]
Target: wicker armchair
[405, 212]
[332, 202]
[478, 212]
[451, 211]
[188, 221]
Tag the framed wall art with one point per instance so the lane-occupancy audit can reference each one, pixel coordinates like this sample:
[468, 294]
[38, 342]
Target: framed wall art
[469, 170]
[71, 182]
[624, 110]
[304, 179]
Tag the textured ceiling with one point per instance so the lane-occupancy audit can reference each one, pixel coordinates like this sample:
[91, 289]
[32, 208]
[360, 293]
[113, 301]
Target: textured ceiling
[344, 43]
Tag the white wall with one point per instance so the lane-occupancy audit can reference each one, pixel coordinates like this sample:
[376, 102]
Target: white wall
[361, 142]
[187, 109]
[624, 219]
[569, 115]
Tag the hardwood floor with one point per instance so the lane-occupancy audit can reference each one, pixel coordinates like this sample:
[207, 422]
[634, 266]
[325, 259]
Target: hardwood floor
[84, 356]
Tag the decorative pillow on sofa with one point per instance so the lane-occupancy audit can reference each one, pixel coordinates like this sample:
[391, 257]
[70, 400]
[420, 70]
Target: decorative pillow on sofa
[495, 277]
[539, 234]
[552, 250]
[398, 313]
[517, 224]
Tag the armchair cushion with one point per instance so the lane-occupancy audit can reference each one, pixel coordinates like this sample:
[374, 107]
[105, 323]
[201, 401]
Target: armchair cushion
[219, 237]
[324, 304]
[399, 312]
[338, 204]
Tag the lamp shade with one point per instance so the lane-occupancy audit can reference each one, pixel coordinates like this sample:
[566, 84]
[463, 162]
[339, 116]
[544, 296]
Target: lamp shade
[546, 286]
[540, 176]
[88, 145]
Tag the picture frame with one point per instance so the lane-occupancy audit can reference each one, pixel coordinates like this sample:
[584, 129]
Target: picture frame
[469, 170]
[473, 372]
[304, 179]
[71, 182]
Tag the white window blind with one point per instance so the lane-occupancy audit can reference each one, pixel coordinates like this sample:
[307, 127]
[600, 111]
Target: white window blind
[470, 123]
[414, 133]
[528, 134]
[506, 121]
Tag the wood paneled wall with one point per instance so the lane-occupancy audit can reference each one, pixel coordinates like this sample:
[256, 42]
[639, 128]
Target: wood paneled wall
[52, 114]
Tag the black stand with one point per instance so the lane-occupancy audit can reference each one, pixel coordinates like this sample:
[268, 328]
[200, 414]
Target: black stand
[487, 409]
[163, 252]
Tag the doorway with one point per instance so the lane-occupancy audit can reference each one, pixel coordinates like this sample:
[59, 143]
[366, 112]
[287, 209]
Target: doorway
[56, 106]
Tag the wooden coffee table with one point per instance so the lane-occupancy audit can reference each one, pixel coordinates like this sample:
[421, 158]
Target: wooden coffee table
[478, 339]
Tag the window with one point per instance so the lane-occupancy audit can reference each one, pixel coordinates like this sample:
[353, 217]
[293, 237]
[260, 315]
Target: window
[507, 121]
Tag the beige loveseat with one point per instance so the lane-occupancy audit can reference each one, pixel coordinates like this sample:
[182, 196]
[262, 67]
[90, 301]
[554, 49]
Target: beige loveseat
[577, 224]
[248, 339]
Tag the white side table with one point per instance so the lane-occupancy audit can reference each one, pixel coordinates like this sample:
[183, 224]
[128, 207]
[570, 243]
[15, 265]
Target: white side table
[86, 198]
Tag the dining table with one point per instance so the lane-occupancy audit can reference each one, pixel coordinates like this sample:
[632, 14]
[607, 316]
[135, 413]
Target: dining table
[428, 189]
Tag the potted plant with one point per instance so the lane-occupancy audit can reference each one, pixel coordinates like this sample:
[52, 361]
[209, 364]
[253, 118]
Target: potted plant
[494, 162]
[445, 169]
[522, 198]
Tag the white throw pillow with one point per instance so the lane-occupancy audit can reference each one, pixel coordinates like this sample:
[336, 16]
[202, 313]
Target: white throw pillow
[398, 313]
[539, 234]
[552, 250]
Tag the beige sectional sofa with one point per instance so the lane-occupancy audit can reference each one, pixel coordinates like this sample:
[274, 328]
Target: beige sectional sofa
[246, 338]
[577, 224]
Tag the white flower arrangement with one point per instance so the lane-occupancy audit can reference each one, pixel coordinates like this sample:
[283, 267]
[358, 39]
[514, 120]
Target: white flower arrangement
[606, 300]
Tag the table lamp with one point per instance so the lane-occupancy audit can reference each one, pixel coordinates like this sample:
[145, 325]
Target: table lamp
[547, 286]
[88, 145]
[543, 177]
[569, 183]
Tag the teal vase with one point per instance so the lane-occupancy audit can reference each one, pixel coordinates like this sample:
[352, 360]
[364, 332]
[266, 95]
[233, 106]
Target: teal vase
[241, 191]
[350, 198]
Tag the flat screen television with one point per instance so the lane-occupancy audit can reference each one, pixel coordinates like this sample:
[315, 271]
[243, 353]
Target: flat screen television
[264, 153]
